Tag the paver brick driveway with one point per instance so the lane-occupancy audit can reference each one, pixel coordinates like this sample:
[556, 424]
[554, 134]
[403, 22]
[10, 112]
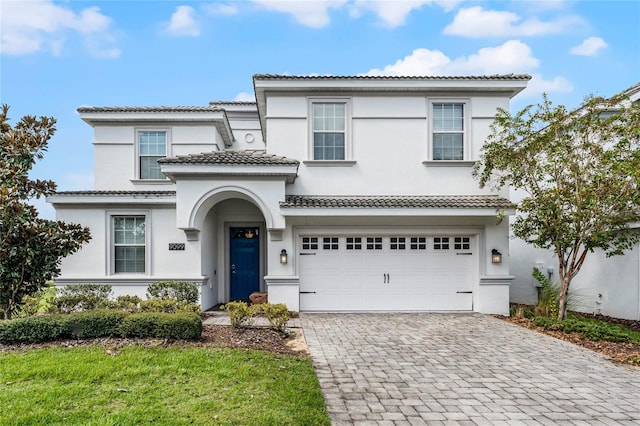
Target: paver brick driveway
[423, 368]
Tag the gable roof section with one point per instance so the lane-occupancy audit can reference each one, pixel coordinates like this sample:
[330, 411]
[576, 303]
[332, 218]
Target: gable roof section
[230, 163]
[159, 114]
[432, 204]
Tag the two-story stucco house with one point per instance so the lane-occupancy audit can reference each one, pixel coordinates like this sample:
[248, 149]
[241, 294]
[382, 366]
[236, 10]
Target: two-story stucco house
[329, 193]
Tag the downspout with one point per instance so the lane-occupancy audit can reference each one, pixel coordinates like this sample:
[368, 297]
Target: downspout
[638, 283]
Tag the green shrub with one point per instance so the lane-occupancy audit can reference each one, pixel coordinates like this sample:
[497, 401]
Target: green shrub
[521, 311]
[548, 304]
[241, 314]
[128, 303]
[83, 297]
[100, 323]
[276, 313]
[594, 330]
[180, 290]
[40, 302]
[96, 323]
[168, 306]
[184, 306]
[35, 329]
[183, 325]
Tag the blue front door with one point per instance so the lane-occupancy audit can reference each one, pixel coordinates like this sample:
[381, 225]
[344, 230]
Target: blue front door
[245, 262]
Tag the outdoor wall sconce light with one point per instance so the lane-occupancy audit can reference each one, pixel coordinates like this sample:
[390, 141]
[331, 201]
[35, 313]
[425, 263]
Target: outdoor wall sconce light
[283, 256]
[496, 256]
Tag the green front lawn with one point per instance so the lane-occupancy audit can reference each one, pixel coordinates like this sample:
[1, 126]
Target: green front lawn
[172, 386]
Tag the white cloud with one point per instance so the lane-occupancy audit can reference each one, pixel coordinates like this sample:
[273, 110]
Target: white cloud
[220, 9]
[392, 14]
[41, 25]
[245, 97]
[589, 47]
[477, 22]
[513, 56]
[183, 22]
[314, 14]
[538, 85]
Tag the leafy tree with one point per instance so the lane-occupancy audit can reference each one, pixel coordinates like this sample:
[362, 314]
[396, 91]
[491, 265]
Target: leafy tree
[580, 171]
[31, 248]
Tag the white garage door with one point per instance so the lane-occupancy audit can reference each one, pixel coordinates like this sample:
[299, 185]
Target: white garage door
[386, 273]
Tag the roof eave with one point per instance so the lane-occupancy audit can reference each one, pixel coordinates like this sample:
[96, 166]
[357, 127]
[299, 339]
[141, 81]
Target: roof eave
[190, 170]
[383, 211]
[72, 199]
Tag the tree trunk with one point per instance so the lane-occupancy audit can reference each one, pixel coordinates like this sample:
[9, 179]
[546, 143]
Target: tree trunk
[562, 299]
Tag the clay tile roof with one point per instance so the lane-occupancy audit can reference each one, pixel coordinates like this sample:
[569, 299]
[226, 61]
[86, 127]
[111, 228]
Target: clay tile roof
[118, 193]
[248, 157]
[150, 109]
[388, 77]
[398, 202]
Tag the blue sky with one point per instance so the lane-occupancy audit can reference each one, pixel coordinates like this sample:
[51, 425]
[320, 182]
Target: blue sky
[58, 56]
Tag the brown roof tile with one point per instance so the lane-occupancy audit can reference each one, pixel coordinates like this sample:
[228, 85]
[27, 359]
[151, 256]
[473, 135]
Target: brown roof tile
[248, 157]
[398, 201]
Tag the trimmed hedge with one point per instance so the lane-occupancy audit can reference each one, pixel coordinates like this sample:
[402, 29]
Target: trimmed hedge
[181, 325]
[98, 323]
[101, 323]
[35, 329]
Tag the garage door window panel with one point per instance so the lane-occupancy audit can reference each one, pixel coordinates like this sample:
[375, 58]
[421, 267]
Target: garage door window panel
[398, 243]
[374, 243]
[330, 243]
[441, 243]
[354, 243]
[418, 243]
[310, 243]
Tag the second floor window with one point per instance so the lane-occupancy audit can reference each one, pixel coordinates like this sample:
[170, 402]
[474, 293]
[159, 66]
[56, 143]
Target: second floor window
[448, 131]
[329, 131]
[152, 146]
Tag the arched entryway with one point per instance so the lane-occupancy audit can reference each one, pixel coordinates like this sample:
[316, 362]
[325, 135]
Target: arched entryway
[233, 251]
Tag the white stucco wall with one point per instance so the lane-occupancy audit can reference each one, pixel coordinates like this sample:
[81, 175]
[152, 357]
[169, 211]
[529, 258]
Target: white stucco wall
[389, 142]
[115, 152]
[92, 264]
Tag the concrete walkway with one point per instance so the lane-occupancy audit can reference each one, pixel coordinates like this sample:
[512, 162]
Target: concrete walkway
[467, 369]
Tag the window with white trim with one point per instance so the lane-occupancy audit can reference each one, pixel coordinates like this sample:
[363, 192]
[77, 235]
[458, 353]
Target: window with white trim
[329, 130]
[448, 129]
[128, 244]
[152, 146]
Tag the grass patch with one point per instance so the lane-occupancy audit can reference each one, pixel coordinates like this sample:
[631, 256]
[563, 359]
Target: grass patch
[172, 386]
[590, 328]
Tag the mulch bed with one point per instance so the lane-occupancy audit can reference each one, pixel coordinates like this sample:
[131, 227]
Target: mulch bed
[258, 338]
[624, 353]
